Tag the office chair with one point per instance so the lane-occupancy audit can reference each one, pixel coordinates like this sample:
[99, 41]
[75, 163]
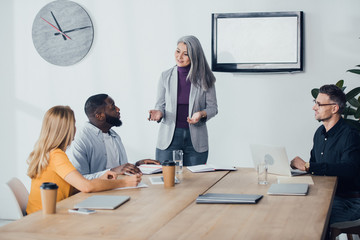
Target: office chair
[14, 197]
[348, 227]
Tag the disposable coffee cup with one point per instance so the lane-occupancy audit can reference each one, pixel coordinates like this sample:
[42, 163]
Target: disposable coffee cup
[168, 169]
[48, 197]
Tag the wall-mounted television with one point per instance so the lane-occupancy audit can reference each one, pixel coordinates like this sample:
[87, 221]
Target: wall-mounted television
[257, 42]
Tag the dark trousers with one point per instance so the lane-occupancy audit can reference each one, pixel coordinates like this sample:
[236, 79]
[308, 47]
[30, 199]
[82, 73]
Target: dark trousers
[182, 141]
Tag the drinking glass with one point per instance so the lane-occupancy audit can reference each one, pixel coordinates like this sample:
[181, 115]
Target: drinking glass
[178, 159]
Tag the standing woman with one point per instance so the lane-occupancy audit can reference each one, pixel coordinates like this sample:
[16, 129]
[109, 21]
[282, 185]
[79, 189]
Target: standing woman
[186, 100]
[49, 163]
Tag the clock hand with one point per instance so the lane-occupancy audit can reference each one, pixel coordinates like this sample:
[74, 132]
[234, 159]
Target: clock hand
[72, 30]
[56, 29]
[57, 24]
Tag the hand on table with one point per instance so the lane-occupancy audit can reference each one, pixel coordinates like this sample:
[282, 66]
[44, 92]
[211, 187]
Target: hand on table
[147, 161]
[127, 168]
[298, 163]
[132, 181]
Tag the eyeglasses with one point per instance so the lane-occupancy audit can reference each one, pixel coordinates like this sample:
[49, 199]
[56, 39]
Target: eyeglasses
[322, 104]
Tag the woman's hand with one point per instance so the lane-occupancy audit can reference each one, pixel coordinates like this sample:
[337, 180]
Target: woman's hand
[132, 181]
[196, 117]
[109, 175]
[155, 115]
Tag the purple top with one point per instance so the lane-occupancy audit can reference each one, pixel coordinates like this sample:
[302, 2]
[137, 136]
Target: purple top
[183, 94]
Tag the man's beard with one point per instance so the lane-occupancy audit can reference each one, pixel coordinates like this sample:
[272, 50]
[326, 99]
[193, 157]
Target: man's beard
[113, 121]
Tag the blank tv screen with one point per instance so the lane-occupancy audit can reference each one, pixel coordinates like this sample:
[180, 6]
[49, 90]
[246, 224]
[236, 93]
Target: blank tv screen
[257, 42]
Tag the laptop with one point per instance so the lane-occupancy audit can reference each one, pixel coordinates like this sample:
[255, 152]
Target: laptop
[298, 189]
[102, 202]
[276, 158]
[228, 198]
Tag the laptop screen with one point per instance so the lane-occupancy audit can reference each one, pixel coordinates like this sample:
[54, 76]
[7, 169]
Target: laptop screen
[274, 156]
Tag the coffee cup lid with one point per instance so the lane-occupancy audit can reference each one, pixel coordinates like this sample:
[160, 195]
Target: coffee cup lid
[168, 163]
[49, 185]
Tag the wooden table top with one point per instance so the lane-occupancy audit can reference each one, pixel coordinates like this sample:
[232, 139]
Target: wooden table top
[148, 210]
[159, 213]
[273, 217]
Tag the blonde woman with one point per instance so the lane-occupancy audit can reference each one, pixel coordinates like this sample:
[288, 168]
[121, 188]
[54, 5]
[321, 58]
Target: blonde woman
[49, 163]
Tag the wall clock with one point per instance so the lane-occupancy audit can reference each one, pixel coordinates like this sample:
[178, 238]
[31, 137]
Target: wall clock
[62, 33]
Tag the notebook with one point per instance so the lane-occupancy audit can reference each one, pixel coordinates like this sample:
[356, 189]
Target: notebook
[150, 168]
[276, 158]
[288, 189]
[102, 202]
[228, 198]
[210, 168]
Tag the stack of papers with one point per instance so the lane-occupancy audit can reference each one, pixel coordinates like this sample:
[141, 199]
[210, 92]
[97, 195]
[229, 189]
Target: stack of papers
[228, 198]
[150, 168]
[210, 168]
[140, 185]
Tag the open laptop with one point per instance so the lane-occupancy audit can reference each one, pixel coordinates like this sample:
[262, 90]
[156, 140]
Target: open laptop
[275, 157]
[102, 202]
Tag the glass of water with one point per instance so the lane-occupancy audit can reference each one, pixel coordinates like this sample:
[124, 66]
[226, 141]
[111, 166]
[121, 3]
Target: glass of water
[262, 170]
[178, 159]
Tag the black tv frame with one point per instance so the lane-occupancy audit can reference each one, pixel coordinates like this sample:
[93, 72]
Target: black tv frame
[281, 66]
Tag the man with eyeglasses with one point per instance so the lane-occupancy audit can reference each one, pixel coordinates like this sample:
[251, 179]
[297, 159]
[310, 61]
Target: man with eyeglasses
[336, 152]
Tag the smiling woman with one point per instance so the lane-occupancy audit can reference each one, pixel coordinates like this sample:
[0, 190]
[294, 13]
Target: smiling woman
[186, 101]
[62, 33]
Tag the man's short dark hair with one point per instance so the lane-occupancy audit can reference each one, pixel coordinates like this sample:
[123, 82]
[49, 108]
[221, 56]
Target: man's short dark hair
[335, 94]
[93, 103]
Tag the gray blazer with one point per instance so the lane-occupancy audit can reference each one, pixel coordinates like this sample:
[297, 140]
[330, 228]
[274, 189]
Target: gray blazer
[199, 100]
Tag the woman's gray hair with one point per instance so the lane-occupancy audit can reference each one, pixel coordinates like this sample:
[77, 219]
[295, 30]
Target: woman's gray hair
[200, 73]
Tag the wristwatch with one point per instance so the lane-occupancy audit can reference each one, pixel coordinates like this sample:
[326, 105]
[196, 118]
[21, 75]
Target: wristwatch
[307, 166]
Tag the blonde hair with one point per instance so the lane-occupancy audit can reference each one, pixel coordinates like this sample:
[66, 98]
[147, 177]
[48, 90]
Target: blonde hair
[57, 131]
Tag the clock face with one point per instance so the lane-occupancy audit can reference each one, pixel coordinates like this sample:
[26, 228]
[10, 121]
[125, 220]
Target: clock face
[62, 33]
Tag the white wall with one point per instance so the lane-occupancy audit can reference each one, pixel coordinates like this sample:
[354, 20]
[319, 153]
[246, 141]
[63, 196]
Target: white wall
[135, 41]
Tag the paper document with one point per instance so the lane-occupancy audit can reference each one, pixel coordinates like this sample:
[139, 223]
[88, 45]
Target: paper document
[150, 168]
[160, 180]
[297, 179]
[210, 168]
[140, 185]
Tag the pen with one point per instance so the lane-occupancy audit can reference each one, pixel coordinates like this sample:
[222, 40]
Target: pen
[128, 174]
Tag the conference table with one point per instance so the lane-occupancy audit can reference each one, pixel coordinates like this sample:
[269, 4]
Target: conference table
[156, 212]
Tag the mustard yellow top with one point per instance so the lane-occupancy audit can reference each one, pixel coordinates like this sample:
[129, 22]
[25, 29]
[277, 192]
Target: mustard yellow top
[59, 166]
